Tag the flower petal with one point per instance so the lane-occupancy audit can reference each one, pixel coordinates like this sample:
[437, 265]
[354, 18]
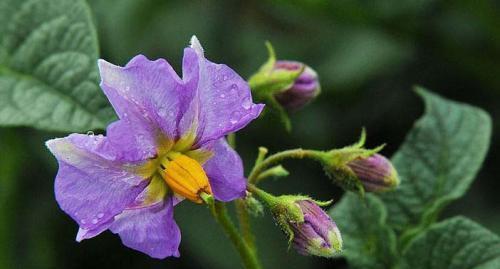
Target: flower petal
[222, 102]
[225, 172]
[149, 89]
[88, 187]
[87, 234]
[151, 230]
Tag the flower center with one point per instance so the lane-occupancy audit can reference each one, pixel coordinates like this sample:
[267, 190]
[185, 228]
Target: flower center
[184, 176]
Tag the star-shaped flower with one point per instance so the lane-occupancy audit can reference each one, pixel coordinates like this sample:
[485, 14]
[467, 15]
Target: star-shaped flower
[168, 145]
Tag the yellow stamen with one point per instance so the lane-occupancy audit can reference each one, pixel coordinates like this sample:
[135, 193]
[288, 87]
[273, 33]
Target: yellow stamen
[184, 176]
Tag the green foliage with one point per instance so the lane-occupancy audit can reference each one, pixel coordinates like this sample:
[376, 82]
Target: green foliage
[9, 168]
[456, 243]
[48, 70]
[368, 241]
[437, 163]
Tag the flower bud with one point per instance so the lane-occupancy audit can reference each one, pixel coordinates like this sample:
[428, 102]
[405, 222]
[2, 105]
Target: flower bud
[304, 88]
[375, 172]
[355, 168]
[317, 235]
[283, 86]
[310, 230]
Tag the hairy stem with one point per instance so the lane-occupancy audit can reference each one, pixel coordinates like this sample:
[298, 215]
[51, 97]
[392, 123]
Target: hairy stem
[278, 157]
[244, 223]
[247, 254]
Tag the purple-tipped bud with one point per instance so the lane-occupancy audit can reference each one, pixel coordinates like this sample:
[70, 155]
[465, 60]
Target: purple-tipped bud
[304, 89]
[376, 173]
[317, 235]
[310, 230]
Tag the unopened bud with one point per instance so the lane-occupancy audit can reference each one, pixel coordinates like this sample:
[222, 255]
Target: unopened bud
[310, 230]
[358, 169]
[376, 173]
[304, 88]
[317, 235]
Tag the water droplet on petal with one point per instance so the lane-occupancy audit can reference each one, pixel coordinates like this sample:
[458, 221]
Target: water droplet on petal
[222, 95]
[235, 117]
[95, 221]
[233, 90]
[90, 133]
[100, 215]
[247, 103]
[83, 221]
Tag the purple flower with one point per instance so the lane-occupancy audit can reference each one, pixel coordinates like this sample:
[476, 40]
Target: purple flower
[304, 89]
[376, 173]
[168, 145]
[317, 235]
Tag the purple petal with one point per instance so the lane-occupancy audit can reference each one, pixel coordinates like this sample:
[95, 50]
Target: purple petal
[151, 230]
[87, 234]
[222, 102]
[225, 172]
[88, 187]
[145, 90]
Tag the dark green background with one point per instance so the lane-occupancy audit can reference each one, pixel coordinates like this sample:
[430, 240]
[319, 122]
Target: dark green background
[368, 55]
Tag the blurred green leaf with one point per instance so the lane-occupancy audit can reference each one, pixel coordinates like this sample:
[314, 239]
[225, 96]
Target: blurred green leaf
[206, 241]
[457, 243]
[437, 162]
[360, 54]
[48, 70]
[368, 241]
[10, 162]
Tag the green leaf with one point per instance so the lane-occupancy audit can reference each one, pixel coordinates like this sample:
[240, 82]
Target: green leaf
[437, 162]
[368, 241]
[10, 163]
[48, 66]
[457, 243]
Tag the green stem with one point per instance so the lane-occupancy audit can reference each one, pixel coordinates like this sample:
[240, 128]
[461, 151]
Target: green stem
[241, 210]
[244, 223]
[278, 157]
[264, 196]
[219, 211]
[231, 140]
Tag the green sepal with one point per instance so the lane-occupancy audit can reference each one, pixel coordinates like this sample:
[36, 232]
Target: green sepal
[254, 206]
[335, 164]
[275, 171]
[267, 82]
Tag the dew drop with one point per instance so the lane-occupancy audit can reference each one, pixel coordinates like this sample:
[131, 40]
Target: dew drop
[90, 133]
[222, 95]
[224, 78]
[95, 221]
[235, 117]
[83, 221]
[233, 90]
[247, 103]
